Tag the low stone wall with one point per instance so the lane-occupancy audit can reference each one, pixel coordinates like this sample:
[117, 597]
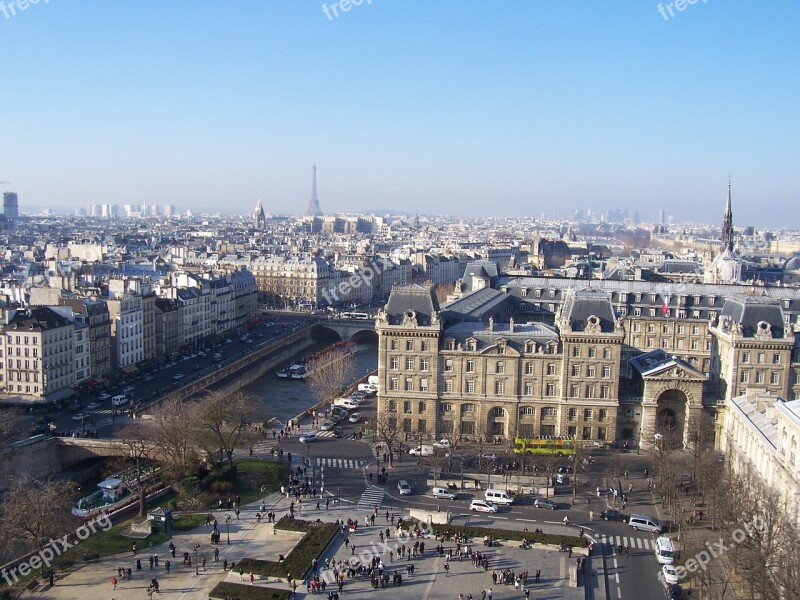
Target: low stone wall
[430, 517]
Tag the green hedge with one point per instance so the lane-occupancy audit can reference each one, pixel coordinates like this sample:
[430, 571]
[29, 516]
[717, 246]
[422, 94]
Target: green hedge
[298, 562]
[237, 591]
[477, 533]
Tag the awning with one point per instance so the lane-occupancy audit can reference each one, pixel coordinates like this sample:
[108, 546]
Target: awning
[130, 369]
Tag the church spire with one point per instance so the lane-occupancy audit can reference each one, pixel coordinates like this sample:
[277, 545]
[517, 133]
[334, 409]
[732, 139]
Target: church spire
[727, 223]
[258, 216]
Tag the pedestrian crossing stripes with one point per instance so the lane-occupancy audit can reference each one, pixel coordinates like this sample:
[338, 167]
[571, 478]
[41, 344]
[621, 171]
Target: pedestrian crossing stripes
[372, 497]
[340, 463]
[634, 543]
[346, 436]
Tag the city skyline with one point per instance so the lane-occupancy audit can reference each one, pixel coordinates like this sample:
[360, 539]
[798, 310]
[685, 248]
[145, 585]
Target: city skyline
[459, 109]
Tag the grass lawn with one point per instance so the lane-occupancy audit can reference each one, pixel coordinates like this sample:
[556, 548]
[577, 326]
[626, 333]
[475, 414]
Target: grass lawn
[188, 521]
[252, 475]
[106, 543]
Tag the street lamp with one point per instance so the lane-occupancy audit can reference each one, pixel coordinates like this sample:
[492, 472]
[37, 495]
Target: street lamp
[228, 528]
[339, 496]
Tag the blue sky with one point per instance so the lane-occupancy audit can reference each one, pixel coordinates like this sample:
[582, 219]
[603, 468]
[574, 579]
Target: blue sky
[439, 107]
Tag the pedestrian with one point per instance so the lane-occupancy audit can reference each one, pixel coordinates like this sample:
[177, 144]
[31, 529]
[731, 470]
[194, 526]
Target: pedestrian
[225, 565]
[327, 502]
[151, 561]
[591, 515]
[167, 565]
[446, 569]
[114, 582]
[252, 578]
[216, 554]
[538, 574]
[527, 593]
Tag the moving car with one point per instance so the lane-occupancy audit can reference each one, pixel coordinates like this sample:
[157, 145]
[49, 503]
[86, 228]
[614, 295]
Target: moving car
[489, 456]
[79, 417]
[481, 506]
[308, 438]
[424, 450]
[442, 444]
[104, 396]
[338, 432]
[326, 425]
[439, 492]
[404, 488]
[355, 417]
[544, 503]
[93, 405]
[613, 515]
[669, 575]
[178, 376]
[120, 400]
[127, 389]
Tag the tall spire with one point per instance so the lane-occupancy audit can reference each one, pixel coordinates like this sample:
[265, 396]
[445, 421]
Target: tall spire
[314, 209]
[258, 216]
[727, 222]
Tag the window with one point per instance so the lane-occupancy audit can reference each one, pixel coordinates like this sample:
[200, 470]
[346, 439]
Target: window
[407, 425]
[498, 387]
[409, 384]
[576, 351]
[527, 411]
[499, 367]
[528, 388]
[393, 345]
[774, 378]
[470, 386]
[467, 427]
[601, 433]
[392, 406]
[572, 414]
[550, 390]
[424, 345]
[587, 414]
[776, 359]
[409, 345]
[549, 411]
[573, 391]
[423, 364]
[395, 363]
[423, 384]
[576, 370]
[528, 368]
[590, 371]
[586, 434]
[448, 385]
[422, 426]
[694, 344]
[602, 415]
[467, 408]
[650, 328]
[445, 407]
[745, 377]
[470, 366]
[592, 352]
[421, 406]
[761, 358]
[498, 411]
[448, 364]
[759, 376]
[394, 384]
[409, 363]
[571, 431]
[605, 391]
[606, 372]
[695, 329]
[606, 352]
[745, 357]
[664, 342]
[589, 391]
[551, 369]
[407, 406]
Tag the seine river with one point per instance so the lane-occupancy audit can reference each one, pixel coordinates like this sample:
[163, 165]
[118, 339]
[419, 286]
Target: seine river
[285, 399]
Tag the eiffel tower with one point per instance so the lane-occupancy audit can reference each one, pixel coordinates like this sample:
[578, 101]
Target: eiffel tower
[314, 209]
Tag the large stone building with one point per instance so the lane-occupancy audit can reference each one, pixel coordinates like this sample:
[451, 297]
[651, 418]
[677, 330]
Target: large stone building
[611, 362]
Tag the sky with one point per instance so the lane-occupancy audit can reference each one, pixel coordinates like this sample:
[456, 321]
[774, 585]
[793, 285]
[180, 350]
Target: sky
[475, 108]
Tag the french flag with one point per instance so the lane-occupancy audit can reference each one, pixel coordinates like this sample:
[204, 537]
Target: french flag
[665, 306]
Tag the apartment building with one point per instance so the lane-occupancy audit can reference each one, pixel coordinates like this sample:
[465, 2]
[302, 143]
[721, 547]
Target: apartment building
[127, 331]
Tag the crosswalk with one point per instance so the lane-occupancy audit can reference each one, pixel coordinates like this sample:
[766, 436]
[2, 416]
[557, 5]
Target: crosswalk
[346, 436]
[340, 463]
[634, 543]
[372, 497]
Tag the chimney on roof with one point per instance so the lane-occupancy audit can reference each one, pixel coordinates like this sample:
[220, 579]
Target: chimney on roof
[511, 325]
[491, 323]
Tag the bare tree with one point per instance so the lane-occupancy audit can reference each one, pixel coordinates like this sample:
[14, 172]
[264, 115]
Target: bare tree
[579, 461]
[220, 421]
[699, 438]
[549, 465]
[36, 510]
[11, 426]
[172, 432]
[387, 432]
[329, 375]
[139, 464]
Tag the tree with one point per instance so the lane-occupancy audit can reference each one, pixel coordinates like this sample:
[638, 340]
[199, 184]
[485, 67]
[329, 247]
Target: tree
[139, 463]
[220, 421]
[579, 461]
[172, 432]
[549, 465]
[386, 431]
[34, 511]
[327, 379]
[11, 426]
[699, 437]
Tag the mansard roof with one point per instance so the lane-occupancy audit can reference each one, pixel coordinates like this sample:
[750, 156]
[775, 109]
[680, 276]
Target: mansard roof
[421, 300]
[516, 338]
[582, 304]
[751, 311]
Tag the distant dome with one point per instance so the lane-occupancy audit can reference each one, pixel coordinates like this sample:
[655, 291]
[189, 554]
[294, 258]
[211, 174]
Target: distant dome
[793, 264]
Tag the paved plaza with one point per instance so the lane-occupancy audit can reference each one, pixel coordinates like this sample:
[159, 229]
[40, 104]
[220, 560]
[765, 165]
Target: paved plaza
[93, 581]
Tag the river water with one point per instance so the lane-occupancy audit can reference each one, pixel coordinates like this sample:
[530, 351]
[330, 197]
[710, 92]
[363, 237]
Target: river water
[284, 399]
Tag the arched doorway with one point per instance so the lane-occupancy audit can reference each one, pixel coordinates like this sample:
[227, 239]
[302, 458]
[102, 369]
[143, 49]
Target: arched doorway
[497, 422]
[671, 417]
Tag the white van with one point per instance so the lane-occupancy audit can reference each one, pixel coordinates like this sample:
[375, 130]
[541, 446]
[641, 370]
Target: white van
[120, 400]
[665, 551]
[345, 403]
[424, 450]
[495, 496]
[645, 523]
[373, 379]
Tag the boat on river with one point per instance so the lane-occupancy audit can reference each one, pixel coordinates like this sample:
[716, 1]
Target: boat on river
[321, 359]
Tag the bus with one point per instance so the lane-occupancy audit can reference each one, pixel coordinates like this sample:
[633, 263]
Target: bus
[355, 315]
[558, 446]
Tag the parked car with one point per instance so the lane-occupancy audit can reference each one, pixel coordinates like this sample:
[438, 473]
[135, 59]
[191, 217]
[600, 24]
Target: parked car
[308, 438]
[423, 450]
[404, 488]
[127, 389]
[93, 405]
[674, 592]
[355, 417]
[442, 444]
[104, 396]
[544, 503]
[326, 425]
[481, 506]
[79, 417]
[613, 515]
[178, 376]
[489, 456]
[669, 575]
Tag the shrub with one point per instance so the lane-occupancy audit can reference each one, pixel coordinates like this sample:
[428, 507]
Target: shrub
[477, 533]
[236, 591]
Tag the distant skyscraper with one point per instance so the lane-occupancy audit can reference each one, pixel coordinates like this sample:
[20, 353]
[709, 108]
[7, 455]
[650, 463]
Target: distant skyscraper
[662, 217]
[727, 223]
[314, 209]
[11, 208]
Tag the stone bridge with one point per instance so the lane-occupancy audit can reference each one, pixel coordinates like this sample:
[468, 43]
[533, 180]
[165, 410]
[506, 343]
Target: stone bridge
[74, 451]
[346, 329]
